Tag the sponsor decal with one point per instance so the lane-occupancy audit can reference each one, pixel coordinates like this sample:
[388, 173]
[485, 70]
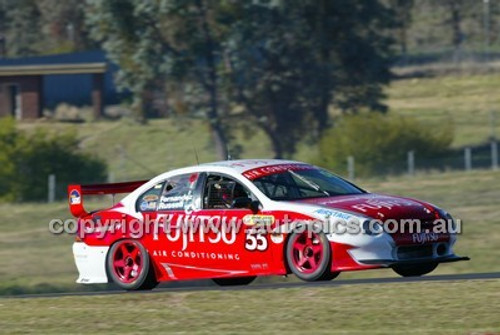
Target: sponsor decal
[151, 197]
[197, 228]
[175, 202]
[255, 242]
[196, 255]
[259, 266]
[424, 237]
[75, 198]
[252, 220]
[273, 169]
[379, 204]
[144, 205]
[149, 202]
[333, 214]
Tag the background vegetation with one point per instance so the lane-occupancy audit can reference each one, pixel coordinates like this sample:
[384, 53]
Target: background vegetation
[26, 161]
[380, 143]
[286, 71]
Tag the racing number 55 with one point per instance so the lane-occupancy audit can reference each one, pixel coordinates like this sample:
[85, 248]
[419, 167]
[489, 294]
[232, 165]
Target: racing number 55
[255, 241]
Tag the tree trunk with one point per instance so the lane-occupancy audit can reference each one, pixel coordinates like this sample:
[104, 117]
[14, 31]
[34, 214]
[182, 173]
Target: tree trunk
[325, 98]
[219, 136]
[456, 24]
[275, 142]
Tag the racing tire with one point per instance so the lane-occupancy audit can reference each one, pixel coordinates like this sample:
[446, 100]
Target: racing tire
[414, 270]
[129, 266]
[233, 281]
[309, 256]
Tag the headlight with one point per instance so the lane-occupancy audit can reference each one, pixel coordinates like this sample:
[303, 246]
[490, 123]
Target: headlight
[372, 227]
[451, 225]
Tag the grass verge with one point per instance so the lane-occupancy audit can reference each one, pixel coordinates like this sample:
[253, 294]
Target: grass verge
[417, 308]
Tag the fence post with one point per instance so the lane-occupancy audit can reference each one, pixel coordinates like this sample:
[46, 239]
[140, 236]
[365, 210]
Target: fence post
[51, 197]
[468, 158]
[350, 167]
[494, 155]
[411, 163]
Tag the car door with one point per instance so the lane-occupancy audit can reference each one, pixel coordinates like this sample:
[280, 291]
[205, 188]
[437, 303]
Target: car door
[168, 238]
[238, 242]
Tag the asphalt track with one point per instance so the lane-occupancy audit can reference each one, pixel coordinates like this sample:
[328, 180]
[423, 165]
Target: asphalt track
[333, 283]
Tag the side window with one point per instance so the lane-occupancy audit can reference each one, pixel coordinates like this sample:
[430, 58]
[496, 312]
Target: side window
[277, 186]
[219, 192]
[148, 201]
[178, 192]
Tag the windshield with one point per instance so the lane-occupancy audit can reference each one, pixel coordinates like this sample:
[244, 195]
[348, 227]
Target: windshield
[304, 184]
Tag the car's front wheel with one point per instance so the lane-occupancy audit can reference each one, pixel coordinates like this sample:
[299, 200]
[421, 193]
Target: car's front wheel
[308, 255]
[414, 270]
[129, 266]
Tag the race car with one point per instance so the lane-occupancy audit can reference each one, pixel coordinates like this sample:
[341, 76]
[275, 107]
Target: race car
[234, 220]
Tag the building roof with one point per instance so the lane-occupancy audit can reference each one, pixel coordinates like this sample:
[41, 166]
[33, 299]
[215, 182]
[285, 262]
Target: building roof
[71, 63]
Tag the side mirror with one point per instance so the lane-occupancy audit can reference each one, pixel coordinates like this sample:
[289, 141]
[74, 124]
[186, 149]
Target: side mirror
[242, 202]
[245, 202]
[255, 206]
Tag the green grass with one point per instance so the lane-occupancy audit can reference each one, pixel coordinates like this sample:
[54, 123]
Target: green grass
[463, 100]
[33, 260]
[415, 308]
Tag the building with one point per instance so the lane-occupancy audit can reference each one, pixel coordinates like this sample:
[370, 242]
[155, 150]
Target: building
[28, 85]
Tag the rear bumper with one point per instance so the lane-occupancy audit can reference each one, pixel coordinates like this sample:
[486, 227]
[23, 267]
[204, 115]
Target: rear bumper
[394, 262]
[91, 263]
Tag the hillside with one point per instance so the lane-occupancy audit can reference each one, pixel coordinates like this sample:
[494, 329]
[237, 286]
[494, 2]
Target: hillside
[141, 151]
[464, 100]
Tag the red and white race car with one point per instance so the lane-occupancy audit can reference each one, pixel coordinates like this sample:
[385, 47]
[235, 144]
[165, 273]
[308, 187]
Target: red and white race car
[232, 221]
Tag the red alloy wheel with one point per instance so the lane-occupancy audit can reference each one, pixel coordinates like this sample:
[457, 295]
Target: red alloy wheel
[308, 252]
[128, 262]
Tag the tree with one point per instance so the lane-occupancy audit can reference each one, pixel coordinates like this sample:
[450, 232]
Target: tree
[270, 63]
[163, 42]
[39, 27]
[22, 27]
[284, 63]
[26, 160]
[63, 26]
[403, 13]
[292, 60]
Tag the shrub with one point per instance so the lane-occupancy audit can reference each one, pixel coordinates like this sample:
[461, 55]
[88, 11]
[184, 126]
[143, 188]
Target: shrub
[27, 161]
[379, 143]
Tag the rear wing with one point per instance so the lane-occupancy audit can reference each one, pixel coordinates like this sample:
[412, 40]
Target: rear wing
[76, 192]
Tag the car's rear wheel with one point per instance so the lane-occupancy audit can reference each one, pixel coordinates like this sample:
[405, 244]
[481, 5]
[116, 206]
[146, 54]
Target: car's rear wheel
[414, 270]
[308, 255]
[233, 281]
[129, 266]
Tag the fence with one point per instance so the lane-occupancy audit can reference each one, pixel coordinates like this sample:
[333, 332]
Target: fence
[468, 158]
